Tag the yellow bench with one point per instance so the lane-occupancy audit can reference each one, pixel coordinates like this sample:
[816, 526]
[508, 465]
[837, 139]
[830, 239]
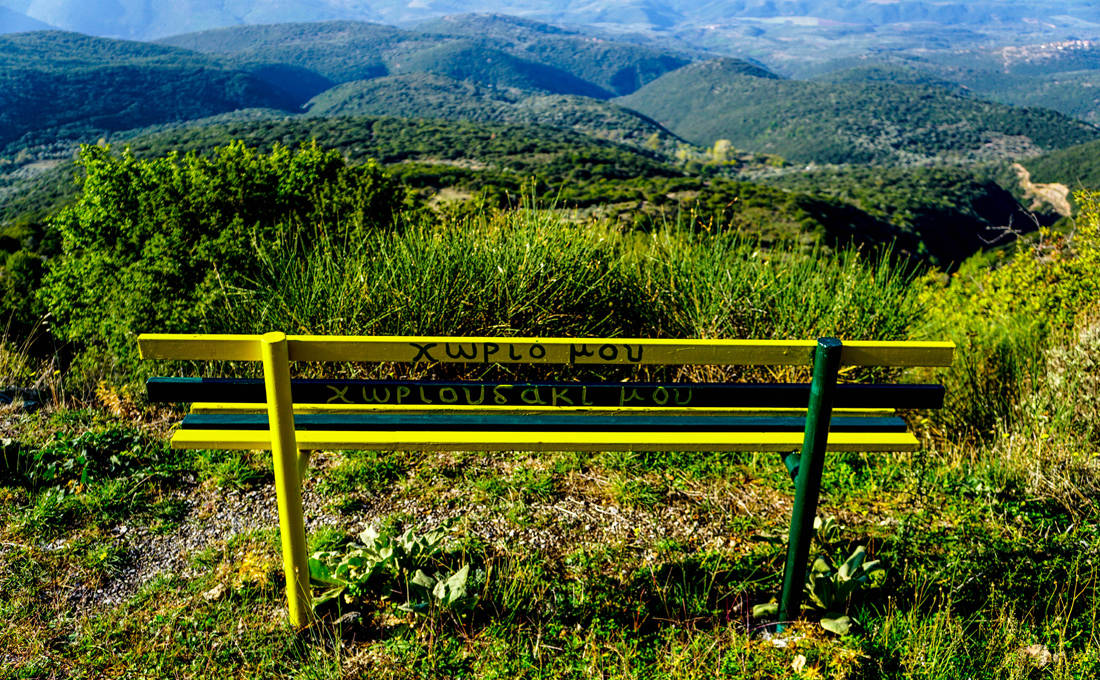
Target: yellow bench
[293, 417]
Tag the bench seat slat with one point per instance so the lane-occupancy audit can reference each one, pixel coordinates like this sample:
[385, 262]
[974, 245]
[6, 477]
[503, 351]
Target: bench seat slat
[450, 440]
[547, 422]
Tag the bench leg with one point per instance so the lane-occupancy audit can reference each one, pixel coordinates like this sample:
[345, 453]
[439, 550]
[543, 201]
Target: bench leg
[303, 464]
[808, 485]
[288, 485]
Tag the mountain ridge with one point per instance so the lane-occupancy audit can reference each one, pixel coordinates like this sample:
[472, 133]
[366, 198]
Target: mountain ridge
[140, 19]
[817, 121]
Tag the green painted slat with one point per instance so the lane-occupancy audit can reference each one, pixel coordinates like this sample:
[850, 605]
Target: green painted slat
[464, 393]
[534, 423]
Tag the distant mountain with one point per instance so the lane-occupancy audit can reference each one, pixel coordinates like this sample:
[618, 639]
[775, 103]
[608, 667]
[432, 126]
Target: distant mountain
[861, 71]
[495, 50]
[470, 62]
[339, 51]
[66, 86]
[847, 120]
[1063, 76]
[143, 19]
[17, 22]
[430, 96]
[618, 67]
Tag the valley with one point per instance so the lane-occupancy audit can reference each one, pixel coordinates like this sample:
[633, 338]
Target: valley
[480, 110]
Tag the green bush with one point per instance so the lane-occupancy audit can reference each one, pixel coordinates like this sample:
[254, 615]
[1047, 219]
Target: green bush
[1002, 319]
[156, 245]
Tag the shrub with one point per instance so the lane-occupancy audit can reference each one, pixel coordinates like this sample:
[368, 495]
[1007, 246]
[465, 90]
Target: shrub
[153, 245]
[1002, 319]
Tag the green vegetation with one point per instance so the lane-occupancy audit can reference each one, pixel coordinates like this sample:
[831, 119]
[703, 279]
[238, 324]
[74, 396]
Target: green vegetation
[617, 67]
[1077, 167]
[118, 554]
[53, 86]
[866, 121]
[339, 51]
[161, 244]
[491, 50]
[947, 214]
[476, 63]
[455, 169]
[1052, 76]
[427, 96]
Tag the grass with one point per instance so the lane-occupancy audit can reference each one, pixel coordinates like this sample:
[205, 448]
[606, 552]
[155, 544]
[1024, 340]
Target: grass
[982, 582]
[610, 565]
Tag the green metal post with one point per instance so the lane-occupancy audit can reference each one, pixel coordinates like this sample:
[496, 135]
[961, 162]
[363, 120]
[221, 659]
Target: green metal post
[808, 484]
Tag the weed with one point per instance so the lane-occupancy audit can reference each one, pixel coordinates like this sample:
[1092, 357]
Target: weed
[393, 568]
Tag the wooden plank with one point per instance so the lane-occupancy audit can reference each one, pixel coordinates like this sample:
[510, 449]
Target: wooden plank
[635, 351]
[548, 422]
[437, 440]
[203, 407]
[472, 393]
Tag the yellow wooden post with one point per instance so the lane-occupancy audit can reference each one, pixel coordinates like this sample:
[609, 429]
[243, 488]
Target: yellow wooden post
[288, 488]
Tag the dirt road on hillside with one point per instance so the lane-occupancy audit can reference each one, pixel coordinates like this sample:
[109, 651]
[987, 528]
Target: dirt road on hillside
[1054, 195]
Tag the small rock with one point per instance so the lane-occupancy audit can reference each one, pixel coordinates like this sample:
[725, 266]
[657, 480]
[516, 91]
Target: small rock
[350, 617]
[215, 593]
[1038, 655]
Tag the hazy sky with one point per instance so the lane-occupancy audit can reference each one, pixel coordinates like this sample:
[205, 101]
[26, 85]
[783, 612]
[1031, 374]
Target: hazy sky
[141, 19]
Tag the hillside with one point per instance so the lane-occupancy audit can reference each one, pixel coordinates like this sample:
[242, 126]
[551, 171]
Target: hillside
[496, 50]
[1077, 167]
[842, 121]
[429, 96]
[476, 63]
[1063, 76]
[340, 51]
[463, 154]
[619, 67]
[62, 86]
[951, 212]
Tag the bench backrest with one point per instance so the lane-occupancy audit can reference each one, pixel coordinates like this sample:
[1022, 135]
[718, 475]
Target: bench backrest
[428, 349]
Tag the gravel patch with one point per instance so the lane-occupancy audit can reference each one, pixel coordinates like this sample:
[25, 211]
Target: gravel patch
[580, 517]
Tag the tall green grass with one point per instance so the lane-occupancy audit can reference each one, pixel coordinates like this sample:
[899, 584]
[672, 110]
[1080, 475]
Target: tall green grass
[532, 272]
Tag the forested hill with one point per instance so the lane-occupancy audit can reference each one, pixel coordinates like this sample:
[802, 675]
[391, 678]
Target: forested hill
[471, 62]
[64, 86]
[618, 67]
[489, 50]
[1063, 76]
[337, 50]
[429, 96]
[847, 121]
[1077, 167]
